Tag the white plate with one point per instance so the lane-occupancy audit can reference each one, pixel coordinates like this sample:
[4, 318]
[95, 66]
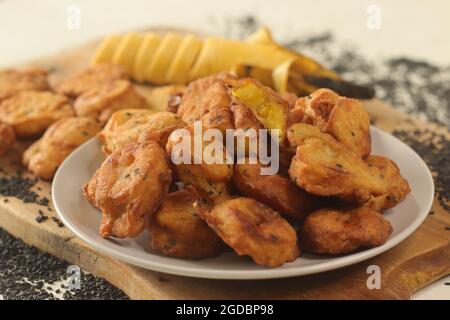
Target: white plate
[84, 220]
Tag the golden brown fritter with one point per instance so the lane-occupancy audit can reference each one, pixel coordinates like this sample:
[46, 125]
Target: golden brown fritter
[45, 155]
[122, 127]
[159, 98]
[290, 98]
[31, 112]
[273, 190]
[13, 81]
[128, 188]
[177, 230]
[213, 178]
[332, 231]
[221, 118]
[243, 118]
[94, 76]
[204, 95]
[102, 101]
[138, 125]
[252, 228]
[7, 137]
[323, 166]
[398, 187]
[343, 118]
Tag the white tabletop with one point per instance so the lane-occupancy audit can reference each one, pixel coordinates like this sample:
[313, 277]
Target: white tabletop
[383, 28]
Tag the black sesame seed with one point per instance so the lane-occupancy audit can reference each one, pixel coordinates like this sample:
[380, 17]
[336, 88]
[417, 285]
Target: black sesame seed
[19, 261]
[40, 219]
[434, 148]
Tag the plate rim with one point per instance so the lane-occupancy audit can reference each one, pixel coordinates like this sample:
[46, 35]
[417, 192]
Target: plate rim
[269, 273]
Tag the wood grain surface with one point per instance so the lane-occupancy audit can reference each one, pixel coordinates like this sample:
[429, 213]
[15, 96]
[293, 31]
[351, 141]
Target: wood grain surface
[419, 260]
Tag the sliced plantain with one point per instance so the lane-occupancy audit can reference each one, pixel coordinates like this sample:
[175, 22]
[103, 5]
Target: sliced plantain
[220, 54]
[280, 76]
[127, 49]
[106, 49]
[145, 54]
[156, 71]
[261, 36]
[183, 60]
[262, 75]
[266, 105]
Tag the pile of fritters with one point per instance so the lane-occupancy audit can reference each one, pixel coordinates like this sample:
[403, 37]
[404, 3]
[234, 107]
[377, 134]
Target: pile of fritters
[327, 197]
[62, 116]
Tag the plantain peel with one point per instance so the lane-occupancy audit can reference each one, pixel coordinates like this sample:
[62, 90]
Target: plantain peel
[264, 103]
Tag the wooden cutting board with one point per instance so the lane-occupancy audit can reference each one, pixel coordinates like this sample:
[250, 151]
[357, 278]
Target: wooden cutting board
[419, 260]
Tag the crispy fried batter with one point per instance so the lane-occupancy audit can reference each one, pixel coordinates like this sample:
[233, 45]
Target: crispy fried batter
[339, 232]
[213, 179]
[13, 81]
[221, 118]
[103, 100]
[343, 118]
[243, 117]
[203, 96]
[177, 230]
[398, 187]
[45, 155]
[251, 228]
[290, 98]
[138, 125]
[96, 75]
[323, 166]
[31, 112]
[7, 137]
[128, 188]
[273, 190]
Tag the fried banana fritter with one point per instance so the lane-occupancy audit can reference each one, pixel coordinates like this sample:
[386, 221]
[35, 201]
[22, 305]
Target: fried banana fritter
[123, 127]
[267, 106]
[177, 230]
[97, 75]
[138, 125]
[128, 188]
[7, 137]
[398, 187]
[252, 228]
[102, 101]
[31, 112]
[343, 118]
[204, 95]
[273, 190]
[332, 231]
[45, 155]
[212, 179]
[163, 98]
[243, 118]
[13, 81]
[221, 118]
[323, 166]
